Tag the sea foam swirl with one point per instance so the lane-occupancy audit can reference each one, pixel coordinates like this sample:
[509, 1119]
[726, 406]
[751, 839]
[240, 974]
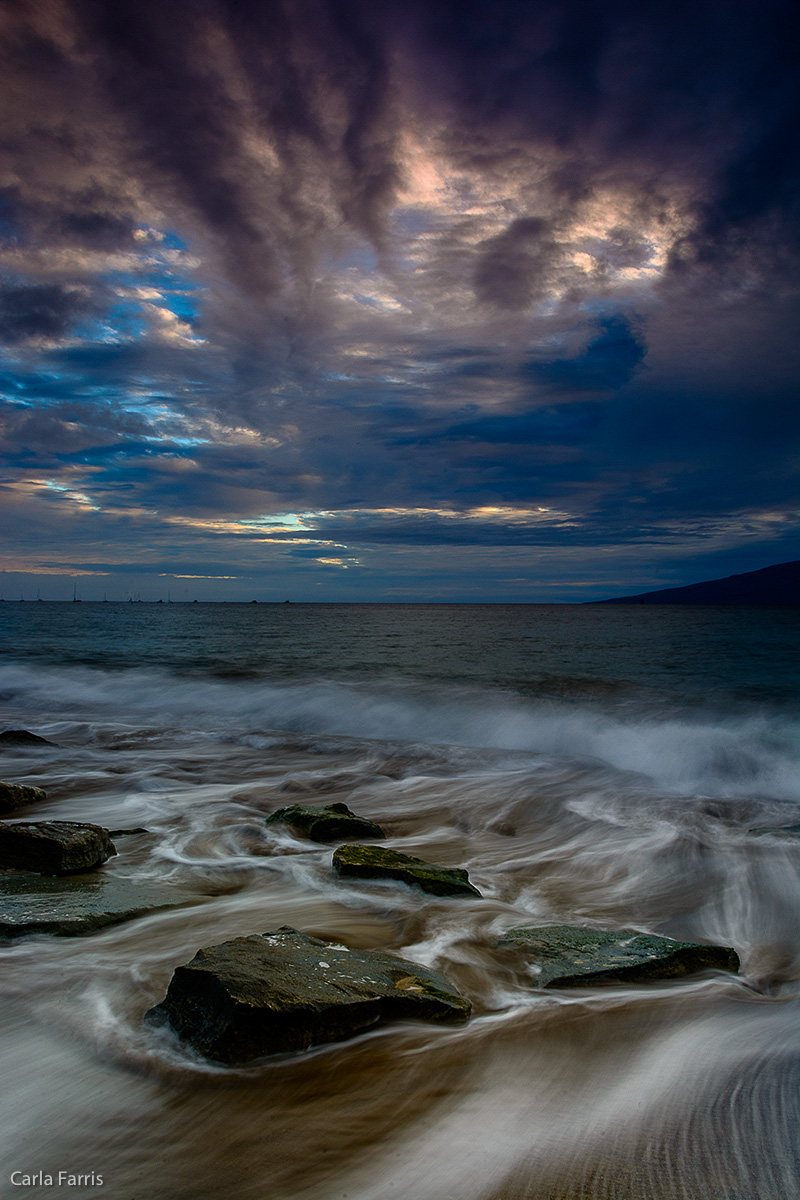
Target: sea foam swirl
[690, 750]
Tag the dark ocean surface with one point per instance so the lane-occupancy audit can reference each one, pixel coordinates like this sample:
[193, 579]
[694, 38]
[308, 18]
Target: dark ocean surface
[611, 766]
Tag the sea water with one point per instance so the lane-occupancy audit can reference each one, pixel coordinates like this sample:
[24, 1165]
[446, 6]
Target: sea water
[612, 766]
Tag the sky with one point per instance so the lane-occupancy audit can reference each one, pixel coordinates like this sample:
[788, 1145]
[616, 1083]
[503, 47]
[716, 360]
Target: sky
[418, 300]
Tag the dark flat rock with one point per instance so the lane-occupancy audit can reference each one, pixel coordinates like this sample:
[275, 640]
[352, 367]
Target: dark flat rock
[19, 795]
[572, 956]
[70, 905]
[285, 991]
[325, 823]
[54, 847]
[21, 737]
[376, 862]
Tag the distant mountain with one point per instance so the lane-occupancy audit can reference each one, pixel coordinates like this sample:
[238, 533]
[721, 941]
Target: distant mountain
[772, 585]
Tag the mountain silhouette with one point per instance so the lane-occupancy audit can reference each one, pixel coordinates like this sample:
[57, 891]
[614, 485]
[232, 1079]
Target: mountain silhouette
[771, 585]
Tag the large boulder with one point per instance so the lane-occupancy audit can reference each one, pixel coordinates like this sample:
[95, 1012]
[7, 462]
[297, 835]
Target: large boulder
[72, 905]
[325, 823]
[571, 956]
[376, 862]
[54, 847]
[19, 795]
[21, 737]
[285, 991]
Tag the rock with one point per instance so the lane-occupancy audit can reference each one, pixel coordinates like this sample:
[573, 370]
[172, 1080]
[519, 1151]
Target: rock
[285, 991]
[572, 956]
[777, 830]
[21, 737]
[19, 795]
[376, 862]
[70, 905]
[325, 823]
[54, 847]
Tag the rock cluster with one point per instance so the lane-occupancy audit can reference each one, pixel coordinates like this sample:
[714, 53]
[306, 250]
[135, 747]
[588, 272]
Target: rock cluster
[285, 991]
[51, 883]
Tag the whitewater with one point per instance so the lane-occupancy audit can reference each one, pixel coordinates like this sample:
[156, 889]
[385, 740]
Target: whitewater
[602, 765]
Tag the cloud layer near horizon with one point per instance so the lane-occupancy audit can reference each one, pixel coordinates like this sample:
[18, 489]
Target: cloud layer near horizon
[400, 301]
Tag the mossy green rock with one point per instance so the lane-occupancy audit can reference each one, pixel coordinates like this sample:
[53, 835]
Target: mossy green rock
[19, 795]
[285, 991]
[572, 956]
[54, 847]
[73, 905]
[325, 823]
[376, 862]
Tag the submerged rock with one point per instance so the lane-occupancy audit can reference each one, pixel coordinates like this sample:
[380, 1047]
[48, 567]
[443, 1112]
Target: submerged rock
[777, 830]
[325, 823]
[70, 905]
[572, 956]
[376, 862]
[21, 737]
[54, 847]
[285, 991]
[19, 795]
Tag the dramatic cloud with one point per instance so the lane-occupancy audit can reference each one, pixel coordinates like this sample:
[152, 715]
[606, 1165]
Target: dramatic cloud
[325, 294]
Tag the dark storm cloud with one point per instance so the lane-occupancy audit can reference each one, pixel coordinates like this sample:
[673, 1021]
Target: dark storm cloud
[565, 424]
[167, 71]
[699, 90]
[514, 267]
[92, 227]
[338, 255]
[708, 88]
[87, 219]
[39, 310]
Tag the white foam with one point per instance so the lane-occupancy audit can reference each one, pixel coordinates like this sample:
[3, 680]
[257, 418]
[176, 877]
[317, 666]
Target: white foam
[747, 753]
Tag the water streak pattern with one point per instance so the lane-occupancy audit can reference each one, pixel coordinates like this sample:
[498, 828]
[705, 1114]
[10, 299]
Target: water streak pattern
[613, 769]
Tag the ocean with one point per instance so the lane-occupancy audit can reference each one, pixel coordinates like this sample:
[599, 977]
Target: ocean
[610, 766]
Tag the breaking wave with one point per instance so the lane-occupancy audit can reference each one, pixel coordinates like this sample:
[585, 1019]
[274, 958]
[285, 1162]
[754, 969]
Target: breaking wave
[747, 753]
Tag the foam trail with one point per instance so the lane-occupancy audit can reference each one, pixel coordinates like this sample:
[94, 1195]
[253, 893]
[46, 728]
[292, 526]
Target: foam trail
[751, 753]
